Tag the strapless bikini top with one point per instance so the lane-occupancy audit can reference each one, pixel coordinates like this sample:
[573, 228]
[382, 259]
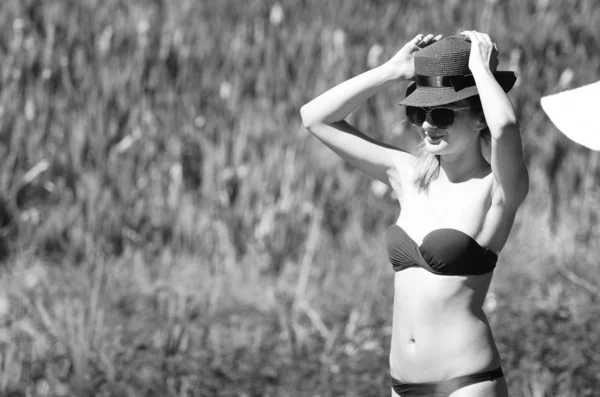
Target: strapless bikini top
[447, 252]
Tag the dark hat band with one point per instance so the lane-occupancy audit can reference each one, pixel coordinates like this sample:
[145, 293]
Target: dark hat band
[456, 82]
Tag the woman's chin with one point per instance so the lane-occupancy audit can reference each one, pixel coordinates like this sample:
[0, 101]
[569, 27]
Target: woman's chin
[435, 148]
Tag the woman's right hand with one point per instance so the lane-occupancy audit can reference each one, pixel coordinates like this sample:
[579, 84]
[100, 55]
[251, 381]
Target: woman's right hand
[402, 63]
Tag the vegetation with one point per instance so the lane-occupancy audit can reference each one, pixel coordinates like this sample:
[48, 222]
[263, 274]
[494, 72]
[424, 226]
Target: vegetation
[169, 229]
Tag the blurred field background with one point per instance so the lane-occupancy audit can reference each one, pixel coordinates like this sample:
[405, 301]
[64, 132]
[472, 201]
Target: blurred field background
[167, 228]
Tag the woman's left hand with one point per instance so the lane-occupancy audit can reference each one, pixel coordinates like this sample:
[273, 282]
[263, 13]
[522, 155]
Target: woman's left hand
[403, 62]
[484, 52]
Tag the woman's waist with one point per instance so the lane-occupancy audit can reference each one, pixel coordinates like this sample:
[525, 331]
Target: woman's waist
[420, 292]
[441, 368]
[438, 312]
[425, 350]
[434, 317]
[443, 332]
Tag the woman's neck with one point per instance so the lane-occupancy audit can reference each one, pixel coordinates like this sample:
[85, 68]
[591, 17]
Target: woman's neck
[460, 167]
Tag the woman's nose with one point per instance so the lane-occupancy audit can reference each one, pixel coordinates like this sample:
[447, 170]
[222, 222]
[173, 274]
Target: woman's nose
[428, 126]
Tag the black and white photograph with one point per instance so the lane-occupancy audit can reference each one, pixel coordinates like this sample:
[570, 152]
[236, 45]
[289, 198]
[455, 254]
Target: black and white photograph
[299, 198]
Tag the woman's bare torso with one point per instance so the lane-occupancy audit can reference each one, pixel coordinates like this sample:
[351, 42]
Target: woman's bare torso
[439, 328]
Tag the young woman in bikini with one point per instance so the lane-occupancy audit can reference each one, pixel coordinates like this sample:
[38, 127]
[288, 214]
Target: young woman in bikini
[457, 207]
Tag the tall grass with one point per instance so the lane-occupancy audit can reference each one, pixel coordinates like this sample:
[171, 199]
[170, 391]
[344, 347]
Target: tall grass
[167, 228]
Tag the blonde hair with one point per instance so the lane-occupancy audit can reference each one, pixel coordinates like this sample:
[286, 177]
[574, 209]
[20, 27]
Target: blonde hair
[428, 167]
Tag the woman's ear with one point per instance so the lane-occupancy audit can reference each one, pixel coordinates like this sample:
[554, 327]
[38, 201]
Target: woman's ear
[480, 123]
[486, 148]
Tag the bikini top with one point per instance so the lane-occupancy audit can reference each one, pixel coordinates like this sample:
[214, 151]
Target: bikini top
[447, 252]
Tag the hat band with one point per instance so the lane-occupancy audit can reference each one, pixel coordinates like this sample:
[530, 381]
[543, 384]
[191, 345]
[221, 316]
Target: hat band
[456, 82]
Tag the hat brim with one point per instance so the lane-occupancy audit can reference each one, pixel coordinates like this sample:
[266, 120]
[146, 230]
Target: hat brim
[434, 96]
[582, 101]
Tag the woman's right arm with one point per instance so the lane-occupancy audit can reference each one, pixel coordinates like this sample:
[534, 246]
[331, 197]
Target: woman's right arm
[325, 116]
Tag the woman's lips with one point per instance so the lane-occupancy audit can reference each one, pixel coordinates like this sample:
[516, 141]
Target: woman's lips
[434, 138]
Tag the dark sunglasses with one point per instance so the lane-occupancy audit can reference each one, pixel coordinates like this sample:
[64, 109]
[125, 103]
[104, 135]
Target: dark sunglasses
[441, 117]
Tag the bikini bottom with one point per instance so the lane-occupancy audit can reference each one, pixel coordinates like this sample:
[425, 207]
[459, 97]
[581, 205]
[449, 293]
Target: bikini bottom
[445, 387]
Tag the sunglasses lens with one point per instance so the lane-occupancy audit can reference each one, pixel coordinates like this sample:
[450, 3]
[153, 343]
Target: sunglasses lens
[415, 115]
[442, 117]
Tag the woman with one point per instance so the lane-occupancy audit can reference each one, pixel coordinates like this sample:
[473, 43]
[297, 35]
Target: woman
[457, 209]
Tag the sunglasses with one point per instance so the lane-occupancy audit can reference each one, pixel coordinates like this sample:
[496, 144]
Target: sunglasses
[441, 117]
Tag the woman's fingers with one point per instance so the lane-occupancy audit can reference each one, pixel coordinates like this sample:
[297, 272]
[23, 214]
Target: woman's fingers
[486, 39]
[490, 46]
[479, 37]
[484, 47]
[427, 40]
[422, 40]
[469, 34]
[413, 45]
[417, 39]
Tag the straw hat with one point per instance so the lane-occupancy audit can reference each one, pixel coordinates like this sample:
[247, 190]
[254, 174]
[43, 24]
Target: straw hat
[442, 74]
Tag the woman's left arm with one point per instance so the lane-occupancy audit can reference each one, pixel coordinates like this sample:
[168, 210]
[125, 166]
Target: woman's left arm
[507, 161]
